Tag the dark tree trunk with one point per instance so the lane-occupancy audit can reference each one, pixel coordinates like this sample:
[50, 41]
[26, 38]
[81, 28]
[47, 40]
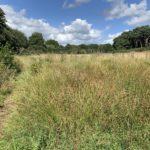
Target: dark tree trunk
[147, 41]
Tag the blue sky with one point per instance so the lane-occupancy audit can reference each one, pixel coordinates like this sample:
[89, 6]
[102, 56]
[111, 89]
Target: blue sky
[76, 21]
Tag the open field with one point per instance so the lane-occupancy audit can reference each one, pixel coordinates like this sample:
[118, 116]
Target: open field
[99, 101]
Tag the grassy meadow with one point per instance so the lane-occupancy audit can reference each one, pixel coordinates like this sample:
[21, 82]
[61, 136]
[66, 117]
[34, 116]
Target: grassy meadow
[80, 102]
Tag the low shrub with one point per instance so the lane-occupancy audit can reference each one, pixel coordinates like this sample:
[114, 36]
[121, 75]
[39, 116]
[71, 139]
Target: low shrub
[8, 69]
[6, 56]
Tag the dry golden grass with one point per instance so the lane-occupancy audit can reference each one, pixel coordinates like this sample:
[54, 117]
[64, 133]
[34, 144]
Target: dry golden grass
[82, 102]
[27, 60]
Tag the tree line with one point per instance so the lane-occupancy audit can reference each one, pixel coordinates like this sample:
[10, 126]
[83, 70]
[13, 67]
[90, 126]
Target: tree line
[137, 38]
[20, 44]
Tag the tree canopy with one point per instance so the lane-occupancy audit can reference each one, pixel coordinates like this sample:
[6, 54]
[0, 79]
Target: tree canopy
[137, 38]
[36, 39]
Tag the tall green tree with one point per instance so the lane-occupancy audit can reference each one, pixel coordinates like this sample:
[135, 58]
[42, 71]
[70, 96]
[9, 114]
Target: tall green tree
[106, 48]
[20, 40]
[137, 38]
[36, 42]
[2, 20]
[123, 41]
[16, 39]
[2, 26]
[36, 39]
[145, 32]
[52, 45]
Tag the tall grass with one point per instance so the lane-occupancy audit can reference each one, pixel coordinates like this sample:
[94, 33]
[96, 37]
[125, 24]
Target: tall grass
[86, 102]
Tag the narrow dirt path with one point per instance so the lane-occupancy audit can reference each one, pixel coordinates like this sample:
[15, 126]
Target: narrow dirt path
[5, 112]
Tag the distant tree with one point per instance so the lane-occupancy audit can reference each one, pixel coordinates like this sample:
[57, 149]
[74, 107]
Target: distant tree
[17, 40]
[2, 26]
[68, 48]
[83, 46]
[52, 46]
[106, 48]
[137, 38]
[122, 42]
[36, 42]
[72, 49]
[52, 42]
[92, 48]
[20, 38]
[145, 35]
[36, 39]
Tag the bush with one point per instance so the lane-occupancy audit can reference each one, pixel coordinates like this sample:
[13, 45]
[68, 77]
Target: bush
[8, 69]
[5, 87]
[6, 56]
[7, 59]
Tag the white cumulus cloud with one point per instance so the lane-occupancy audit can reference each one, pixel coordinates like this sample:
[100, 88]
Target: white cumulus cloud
[135, 14]
[18, 20]
[141, 19]
[76, 3]
[111, 37]
[77, 32]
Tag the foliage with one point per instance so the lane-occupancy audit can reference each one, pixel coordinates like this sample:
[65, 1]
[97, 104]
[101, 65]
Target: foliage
[2, 20]
[52, 42]
[6, 56]
[5, 86]
[7, 59]
[52, 46]
[19, 40]
[36, 42]
[16, 39]
[137, 38]
[106, 48]
[9, 68]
